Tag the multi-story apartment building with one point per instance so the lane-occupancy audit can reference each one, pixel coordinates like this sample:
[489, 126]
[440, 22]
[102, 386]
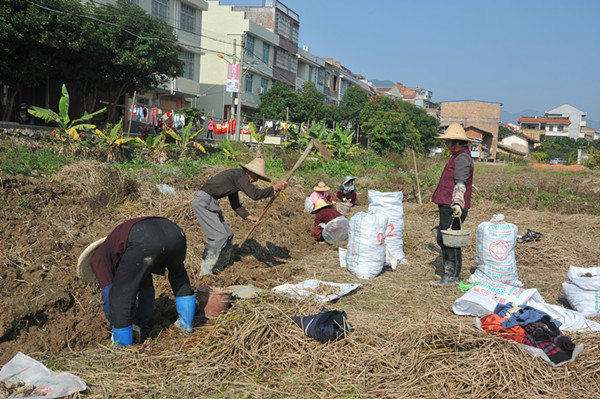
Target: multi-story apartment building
[228, 36]
[186, 18]
[573, 114]
[310, 69]
[285, 23]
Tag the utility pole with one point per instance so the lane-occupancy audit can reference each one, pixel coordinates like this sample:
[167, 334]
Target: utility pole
[233, 94]
[239, 95]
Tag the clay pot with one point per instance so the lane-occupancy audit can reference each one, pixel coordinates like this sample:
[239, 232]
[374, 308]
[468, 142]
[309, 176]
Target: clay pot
[213, 301]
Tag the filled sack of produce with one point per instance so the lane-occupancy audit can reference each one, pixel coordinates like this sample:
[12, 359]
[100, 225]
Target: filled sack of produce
[308, 205]
[495, 252]
[365, 255]
[336, 230]
[390, 204]
[582, 289]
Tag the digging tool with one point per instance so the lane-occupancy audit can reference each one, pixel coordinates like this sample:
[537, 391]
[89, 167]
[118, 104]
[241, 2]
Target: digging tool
[313, 144]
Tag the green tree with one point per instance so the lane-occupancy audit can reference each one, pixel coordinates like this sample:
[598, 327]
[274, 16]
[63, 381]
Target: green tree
[278, 101]
[503, 131]
[142, 50]
[426, 124]
[41, 43]
[311, 104]
[388, 127]
[354, 100]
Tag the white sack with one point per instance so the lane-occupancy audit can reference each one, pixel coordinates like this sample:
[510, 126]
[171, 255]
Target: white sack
[365, 254]
[390, 204]
[583, 293]
[495, 252]
[306, 290]
[336, 230]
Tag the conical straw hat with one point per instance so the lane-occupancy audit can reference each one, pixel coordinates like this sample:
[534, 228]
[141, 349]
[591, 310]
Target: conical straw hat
[321, 203]
[256, 166]
[84, 267]
[454, 132]
[321, 187]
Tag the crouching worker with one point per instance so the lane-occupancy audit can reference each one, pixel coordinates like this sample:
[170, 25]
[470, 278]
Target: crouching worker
[330, 225]
[347, 191]
[219, 236]
[123, 263]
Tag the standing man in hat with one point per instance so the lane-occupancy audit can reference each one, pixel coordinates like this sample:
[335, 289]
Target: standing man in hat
[453, 197]
[123, 263]
[205, 205]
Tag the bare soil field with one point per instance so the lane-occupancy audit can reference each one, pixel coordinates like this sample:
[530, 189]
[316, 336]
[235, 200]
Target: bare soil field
[406, 340]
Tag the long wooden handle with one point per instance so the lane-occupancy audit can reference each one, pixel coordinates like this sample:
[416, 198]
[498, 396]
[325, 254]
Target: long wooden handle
[287, 178]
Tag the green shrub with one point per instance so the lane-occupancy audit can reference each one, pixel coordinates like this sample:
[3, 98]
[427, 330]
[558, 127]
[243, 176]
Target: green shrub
[24, 161]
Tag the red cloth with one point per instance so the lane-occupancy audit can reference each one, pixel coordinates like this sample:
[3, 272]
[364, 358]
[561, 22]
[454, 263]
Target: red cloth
[492, 323]
[323, 215]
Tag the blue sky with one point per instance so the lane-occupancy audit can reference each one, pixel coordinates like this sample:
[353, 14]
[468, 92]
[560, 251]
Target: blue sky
[527, 54]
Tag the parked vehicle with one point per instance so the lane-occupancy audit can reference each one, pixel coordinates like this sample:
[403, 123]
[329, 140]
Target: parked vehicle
[558, 161]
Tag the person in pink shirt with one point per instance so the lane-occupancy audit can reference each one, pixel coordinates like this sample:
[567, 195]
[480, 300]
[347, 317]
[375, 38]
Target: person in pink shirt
[210, 128]
[321, 191]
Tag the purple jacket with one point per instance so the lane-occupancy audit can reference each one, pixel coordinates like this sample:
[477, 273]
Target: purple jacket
[443, 193]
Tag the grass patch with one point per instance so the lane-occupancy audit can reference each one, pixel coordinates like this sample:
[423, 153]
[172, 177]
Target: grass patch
[25, 161]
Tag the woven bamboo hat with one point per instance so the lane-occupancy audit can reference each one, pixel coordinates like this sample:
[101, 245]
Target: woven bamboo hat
[321, 203]
[454, 132]
[257, 166]
[84, 267]
[321, 187]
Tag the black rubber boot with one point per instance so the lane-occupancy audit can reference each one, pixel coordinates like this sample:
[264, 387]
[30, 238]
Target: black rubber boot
[224, 259]
[458, 261]
[449, 277]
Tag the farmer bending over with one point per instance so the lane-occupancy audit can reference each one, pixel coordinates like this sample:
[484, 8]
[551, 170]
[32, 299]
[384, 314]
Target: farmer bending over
[453, 196]
[123, 263]
[324, 214]
[228, 183]
[347, 191]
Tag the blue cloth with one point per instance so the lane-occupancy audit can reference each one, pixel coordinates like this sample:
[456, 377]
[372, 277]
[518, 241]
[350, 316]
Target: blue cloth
[526, 315]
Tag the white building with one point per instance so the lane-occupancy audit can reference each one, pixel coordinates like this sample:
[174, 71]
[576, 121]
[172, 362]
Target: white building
[224, 25]
[568, 112]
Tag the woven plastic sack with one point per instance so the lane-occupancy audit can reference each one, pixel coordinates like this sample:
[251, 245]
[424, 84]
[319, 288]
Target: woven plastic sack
[390, 204]
[365, 255]
[336, 230]
[308, 205]
[582, 289]
[495, 252]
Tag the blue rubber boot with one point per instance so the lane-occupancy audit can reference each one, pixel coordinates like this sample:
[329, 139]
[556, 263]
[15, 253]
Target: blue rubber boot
[123, 336]
[186, 308]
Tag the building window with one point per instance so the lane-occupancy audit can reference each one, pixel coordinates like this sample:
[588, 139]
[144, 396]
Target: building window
[248, 83]
[160, 9]
[310, 72]
[249, 46]
[320, 76]
[188, 64]
[188, 18]
[327, 79]
[289, 66]
[266, 49]
[264, 85]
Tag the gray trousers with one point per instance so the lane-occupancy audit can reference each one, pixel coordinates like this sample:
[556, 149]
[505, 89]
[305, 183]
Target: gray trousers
[210, 216]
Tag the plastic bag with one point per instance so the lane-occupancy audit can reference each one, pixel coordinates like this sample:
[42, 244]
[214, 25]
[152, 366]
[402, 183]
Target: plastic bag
[365, 255]
[165, 189]
[48, 383]
[308, 205]
[336, 230]
[582, 289]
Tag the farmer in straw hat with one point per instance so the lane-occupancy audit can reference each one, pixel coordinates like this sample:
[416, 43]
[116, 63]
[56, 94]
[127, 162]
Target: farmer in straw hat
[324, 214]
[321, 191]
[123, 263]
[228, 183]
[453, 196]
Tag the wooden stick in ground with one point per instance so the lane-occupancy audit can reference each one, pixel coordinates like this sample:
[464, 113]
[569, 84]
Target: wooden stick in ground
[310, 146]
[417, 176]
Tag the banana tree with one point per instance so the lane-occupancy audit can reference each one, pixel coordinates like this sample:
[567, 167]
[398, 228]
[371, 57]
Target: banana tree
[68, 130]
[258, 136]
[186, 139]
[230, 150]
[340, 142]
[156, 147]
[114, 140]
